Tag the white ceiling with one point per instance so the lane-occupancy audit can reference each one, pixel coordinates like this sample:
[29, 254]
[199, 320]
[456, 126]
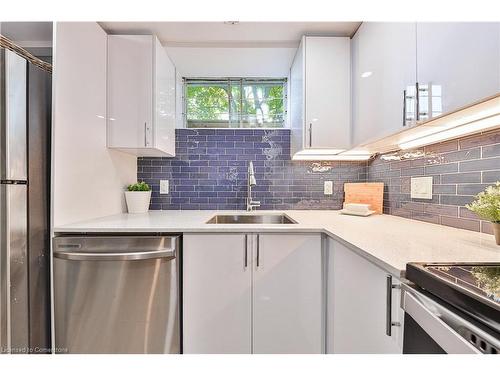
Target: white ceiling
[36, 37]
[241, 34]
[27, 31]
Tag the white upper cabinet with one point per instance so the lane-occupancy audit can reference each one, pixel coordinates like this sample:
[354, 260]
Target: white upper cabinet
[458, 63]
[320, 94]
[452, 64]
[383, 67]
[140, 96]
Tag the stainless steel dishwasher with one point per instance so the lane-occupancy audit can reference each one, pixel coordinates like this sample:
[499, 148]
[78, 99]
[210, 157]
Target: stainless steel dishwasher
[116, 294]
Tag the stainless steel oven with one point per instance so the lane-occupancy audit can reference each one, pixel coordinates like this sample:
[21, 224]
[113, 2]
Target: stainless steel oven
[450, 308]
[433, 327]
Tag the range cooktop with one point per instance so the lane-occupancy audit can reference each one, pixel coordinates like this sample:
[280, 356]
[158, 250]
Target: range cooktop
[483, 280]
[472, 288]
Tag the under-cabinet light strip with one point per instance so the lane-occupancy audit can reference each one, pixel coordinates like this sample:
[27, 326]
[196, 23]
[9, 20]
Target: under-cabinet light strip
[338, 157]
[459, 131]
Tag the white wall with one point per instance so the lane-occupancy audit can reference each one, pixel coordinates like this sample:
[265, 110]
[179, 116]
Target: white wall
[273, 62]
[88, 178]
[232, 61]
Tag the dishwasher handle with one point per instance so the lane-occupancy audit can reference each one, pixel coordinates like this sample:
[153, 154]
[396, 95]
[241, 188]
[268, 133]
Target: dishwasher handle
[137, 255]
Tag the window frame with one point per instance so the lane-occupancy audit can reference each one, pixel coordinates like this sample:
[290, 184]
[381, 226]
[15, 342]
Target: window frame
[228, 80]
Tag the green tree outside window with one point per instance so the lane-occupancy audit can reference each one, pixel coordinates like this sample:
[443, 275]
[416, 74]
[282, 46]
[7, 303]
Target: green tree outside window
[235, 103]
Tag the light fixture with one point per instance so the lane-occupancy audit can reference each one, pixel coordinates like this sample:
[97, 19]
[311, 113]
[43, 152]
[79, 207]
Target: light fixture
[321, 151]
[356, 151]
[332, 155]
[326, 157]
[466, 129]
[473, 119]
[366, 74]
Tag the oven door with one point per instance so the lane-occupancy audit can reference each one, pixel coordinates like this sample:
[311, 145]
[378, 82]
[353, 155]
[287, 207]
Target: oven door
[430, 327]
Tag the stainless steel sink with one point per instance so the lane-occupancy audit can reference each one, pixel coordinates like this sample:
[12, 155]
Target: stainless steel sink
[252, 219]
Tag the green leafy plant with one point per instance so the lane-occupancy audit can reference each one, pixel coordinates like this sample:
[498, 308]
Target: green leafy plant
[488, 279]
[487, 203]
[139, 186]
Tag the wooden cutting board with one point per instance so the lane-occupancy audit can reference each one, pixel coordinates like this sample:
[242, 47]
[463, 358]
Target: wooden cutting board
[371, 193]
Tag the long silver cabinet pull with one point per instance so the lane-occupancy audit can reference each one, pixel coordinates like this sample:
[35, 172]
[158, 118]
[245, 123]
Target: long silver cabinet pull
[246, 251]
[417, 102]
[404, 107]
[310, 134]
[258, 251]
[145, 135]
[140, 255]
[388, 312]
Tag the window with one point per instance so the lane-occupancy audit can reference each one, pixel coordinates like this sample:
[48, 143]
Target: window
[235, 103]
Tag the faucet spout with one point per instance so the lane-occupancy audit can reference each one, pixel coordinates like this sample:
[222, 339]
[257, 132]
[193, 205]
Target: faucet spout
[251, 181]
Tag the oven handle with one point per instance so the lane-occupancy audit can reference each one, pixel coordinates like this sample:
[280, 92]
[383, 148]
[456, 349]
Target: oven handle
[419, 308]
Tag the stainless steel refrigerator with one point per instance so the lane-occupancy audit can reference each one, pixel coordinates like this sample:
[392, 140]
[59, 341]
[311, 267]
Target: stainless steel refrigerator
[25, 111]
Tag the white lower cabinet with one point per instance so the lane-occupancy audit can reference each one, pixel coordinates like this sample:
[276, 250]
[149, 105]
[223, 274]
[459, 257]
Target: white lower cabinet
[287, 294]
[357, 305]
[249, 293]
[217, 296]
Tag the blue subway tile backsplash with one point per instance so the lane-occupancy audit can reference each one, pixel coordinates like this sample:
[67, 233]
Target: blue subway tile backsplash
[209, 172]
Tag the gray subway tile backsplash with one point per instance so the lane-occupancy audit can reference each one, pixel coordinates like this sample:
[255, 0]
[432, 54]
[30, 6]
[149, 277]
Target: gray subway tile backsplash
[209, 172]
[460, 169]
[491, 176]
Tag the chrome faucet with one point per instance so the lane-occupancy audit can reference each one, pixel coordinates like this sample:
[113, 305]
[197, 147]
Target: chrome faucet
[251, 204]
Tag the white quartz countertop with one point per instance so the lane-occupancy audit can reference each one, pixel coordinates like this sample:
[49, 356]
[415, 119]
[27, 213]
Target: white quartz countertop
[388, 241]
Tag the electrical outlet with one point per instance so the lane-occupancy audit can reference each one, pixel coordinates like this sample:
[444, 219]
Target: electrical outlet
[328, 188]
[421, 187]
[164, 187]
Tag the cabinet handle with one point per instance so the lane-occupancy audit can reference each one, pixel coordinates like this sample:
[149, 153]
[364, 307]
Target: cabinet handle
[388, 308]
[258, 251]
[246, 251]
[310, 134]
[417, 102]
[145, 135]
[404, 107]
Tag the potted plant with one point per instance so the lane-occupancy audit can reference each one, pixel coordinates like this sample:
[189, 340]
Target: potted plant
[138, 196]
[487, 206]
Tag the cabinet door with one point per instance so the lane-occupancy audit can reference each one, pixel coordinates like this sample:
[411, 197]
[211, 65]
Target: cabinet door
[356, 309]
[216, 294]
[458, 64]
[327, 92]
[130, 91]
[164, 98]
[384, 66]
[287, 295]
[297, 100]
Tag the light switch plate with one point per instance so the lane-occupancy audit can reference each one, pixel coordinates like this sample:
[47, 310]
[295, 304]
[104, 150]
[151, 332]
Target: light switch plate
[164, 187]
[421, 187]
[328, 188]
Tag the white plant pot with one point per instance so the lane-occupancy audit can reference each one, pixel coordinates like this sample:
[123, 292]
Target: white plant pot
[137, 201]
